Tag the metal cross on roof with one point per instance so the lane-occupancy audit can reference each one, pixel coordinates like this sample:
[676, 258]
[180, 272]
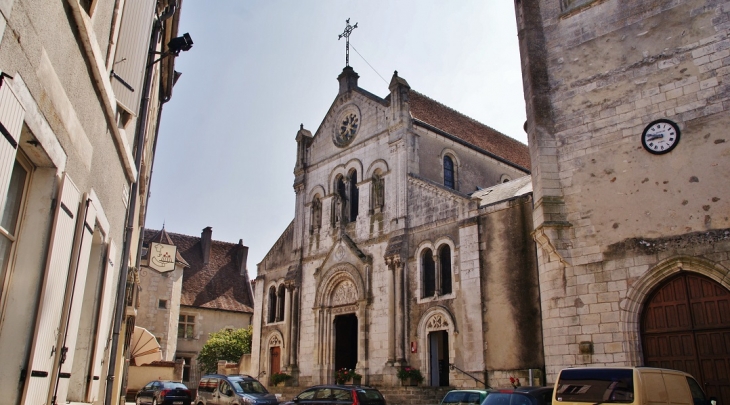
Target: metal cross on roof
[346, 34]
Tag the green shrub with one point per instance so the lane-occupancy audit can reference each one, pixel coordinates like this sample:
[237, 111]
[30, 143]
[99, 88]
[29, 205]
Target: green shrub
[226, 344]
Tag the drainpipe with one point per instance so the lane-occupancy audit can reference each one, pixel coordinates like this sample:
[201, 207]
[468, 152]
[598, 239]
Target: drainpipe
[141, 130]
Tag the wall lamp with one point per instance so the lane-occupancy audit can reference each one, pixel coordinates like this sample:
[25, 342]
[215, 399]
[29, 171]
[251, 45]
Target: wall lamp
[175, 46]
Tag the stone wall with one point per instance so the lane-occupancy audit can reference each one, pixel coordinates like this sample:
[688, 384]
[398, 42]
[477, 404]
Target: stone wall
[595, 77]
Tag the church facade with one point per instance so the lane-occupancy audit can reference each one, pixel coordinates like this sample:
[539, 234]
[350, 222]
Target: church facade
[410, 247]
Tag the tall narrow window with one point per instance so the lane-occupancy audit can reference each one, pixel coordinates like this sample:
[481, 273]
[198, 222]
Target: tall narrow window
[445, 262]
[272, 304]
[448, 172]
[429, 274]
[280, 300]
[10, 218]
[353, 196]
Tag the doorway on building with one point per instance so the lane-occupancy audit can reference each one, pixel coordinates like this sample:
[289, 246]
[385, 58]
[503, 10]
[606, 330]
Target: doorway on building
[685, 325]
[275, 360]
[438, 358]
[345, 342]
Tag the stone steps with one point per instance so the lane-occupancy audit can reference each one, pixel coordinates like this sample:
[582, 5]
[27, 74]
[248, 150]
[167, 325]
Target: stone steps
[393, 395]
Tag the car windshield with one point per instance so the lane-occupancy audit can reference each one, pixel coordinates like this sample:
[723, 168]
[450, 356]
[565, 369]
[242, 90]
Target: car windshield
[248, 387]
[173, 385]
[461, 397]
[596, 385]
[511, 398]
[371, 394]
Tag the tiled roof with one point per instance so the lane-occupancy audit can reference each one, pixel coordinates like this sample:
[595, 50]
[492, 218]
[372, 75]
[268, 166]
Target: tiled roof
[467, 129]
[216, 285]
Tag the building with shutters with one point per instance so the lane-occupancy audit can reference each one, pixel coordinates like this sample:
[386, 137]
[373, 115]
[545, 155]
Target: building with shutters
[207, 290]
[75, 157]
[627, 126]
[410, 246]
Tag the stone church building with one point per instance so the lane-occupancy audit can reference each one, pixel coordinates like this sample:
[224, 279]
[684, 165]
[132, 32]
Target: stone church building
[410, 246]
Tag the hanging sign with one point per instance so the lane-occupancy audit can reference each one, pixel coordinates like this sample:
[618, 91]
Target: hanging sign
[162, 257]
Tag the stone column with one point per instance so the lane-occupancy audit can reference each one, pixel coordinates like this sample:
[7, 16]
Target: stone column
[399, 314]
[287, 327]
[362, 335]
[294, 328]
[391, 311]
[437, 273]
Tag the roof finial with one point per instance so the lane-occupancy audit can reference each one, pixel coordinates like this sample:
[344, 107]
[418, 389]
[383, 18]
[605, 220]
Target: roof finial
[346, 34]
[301, 126]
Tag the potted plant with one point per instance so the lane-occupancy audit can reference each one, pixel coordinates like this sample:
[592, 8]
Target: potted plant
[344, 375]
[278, 378]
[409, 376]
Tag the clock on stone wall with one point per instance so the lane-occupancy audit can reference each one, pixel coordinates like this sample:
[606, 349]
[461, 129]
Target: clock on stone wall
[660, 136]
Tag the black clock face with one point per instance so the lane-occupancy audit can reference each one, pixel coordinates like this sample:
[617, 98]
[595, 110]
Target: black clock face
[660, 136]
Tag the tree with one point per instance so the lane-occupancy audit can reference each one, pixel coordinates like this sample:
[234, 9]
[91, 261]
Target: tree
[226, 344]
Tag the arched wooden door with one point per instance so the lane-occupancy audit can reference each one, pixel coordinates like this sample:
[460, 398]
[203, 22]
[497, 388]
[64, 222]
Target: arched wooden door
[686, 326]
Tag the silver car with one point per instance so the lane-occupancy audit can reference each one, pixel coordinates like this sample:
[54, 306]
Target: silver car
[217, 389]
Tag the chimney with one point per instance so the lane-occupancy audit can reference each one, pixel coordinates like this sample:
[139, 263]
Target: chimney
[205, 241]
[241, 257]
[348, 79]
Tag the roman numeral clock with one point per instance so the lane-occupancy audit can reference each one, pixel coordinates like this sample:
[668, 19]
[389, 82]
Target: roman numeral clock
[660, 136]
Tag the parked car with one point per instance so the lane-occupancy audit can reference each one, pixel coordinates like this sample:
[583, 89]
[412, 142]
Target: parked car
[520, 396]
[339, 395]
[628, 385]
[456, 397]
[164, 393]
[217, 389]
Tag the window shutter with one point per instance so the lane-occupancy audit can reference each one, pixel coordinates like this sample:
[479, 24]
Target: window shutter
[38, 380]
[11, 121]
[130, 57]
[105, 319]
[77, 301]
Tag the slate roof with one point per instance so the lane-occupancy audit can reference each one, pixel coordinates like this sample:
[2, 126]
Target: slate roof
[216, 285]
[504, 191]
[454, 123]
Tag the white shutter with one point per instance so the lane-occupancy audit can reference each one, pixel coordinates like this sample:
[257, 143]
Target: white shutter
[77, 300]
[132, 49]
[106, 313]
[38, 380]
[11, 121]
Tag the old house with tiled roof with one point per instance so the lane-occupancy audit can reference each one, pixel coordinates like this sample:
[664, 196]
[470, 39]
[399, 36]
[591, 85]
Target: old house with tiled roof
[410, 246]
[208, 290]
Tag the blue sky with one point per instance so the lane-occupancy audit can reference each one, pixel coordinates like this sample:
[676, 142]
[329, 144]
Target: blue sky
[259, 69]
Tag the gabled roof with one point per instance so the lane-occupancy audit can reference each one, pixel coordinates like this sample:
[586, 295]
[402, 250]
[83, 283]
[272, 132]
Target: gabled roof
[216, 285]
[454, 123]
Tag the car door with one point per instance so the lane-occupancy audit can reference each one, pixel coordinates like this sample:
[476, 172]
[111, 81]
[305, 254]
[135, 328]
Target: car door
[144, 395]
[226, 395]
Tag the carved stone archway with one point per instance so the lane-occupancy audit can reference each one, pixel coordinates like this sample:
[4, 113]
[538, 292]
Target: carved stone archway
[436, 319]
[274, 340]
[340, 291]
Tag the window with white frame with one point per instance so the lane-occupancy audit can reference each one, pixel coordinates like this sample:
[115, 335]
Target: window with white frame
[10, 220]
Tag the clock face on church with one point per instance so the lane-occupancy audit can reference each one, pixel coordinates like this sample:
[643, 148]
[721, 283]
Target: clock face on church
[346, 126]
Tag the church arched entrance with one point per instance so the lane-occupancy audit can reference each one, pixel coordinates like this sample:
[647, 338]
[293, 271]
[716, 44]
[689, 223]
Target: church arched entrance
[685, 325]
[345, 341]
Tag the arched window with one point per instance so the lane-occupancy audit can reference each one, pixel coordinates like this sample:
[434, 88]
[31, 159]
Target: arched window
[448, 172]
[353, 195]
[429, 273]
[272, 305]
[445, 262]
[280, 300]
